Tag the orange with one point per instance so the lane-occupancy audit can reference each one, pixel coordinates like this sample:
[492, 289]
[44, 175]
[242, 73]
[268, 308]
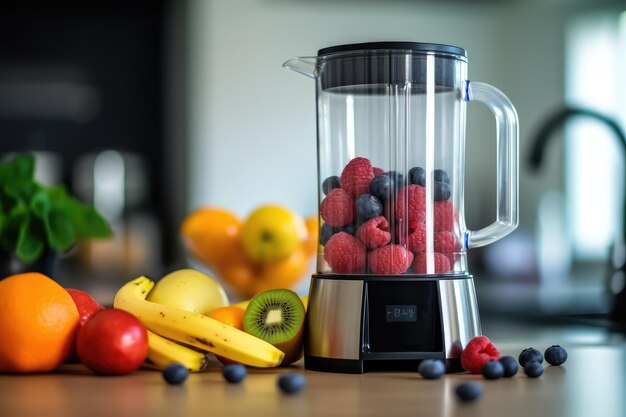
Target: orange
[38, 321]
[239, 277]
[233, 316]
[212, 235]
[312, 227]
[282, 274]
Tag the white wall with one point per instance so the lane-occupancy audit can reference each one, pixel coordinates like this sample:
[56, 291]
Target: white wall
[252, 123]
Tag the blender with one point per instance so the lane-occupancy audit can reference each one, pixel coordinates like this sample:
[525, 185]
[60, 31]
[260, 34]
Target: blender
[392, 286]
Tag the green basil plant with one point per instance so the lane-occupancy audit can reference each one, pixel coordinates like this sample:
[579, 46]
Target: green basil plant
[34, 217]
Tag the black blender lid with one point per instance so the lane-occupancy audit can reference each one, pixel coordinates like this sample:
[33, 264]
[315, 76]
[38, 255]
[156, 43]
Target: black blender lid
[405, 46]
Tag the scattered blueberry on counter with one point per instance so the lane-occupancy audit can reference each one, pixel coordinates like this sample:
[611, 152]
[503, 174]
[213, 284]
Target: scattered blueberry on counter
[175, 374]
[533, 369]
[291, 383]
[510, 366]
[431, 368]
[530, 354]
[555, 355]
[492, 370]
[469, 391]
[234, 373]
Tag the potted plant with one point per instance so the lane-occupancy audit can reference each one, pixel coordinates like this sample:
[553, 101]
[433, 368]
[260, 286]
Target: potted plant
[37, 221]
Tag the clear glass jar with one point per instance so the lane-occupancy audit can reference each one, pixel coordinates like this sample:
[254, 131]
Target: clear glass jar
[391, 149]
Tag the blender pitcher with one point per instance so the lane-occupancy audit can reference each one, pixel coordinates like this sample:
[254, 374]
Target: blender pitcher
[392, 286]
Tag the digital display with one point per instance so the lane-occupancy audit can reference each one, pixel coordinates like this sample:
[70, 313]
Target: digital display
[403, 312]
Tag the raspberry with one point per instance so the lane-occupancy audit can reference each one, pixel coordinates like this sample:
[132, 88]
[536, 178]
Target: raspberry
[445, 215]
[440, 262]
[390, 260]
[444, 242]
[378, 171]
[344, 253]
[374, 233]
[337, 209]
[416, 240]
[477, 352]
[356, 176]
[412, 198]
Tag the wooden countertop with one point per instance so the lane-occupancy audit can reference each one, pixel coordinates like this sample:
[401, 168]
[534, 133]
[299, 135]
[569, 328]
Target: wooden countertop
[591, 383]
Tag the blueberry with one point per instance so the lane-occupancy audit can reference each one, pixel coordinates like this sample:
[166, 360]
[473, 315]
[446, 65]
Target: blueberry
[368, 206]
[530, 354]
[510, 366]
[555, 355]
[533, 369]
[330, 183]
[348, 228]
[396, 178]
[492, 370]
[326, 233]
[291, 383]
[417, 175]
[234, 373]
[441, 175]
[441, 191]
[431, 368]
[381, 187]
[175, 374]
[469, 391]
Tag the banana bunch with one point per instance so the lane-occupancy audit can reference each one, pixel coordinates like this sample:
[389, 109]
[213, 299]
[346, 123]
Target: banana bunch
[193, 329]
[163, 352]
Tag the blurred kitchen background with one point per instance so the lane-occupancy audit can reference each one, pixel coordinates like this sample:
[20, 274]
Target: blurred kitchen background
[151, 109]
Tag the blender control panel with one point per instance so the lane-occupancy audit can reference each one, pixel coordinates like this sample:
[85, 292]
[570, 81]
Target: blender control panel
[402, 316]
[401, 312]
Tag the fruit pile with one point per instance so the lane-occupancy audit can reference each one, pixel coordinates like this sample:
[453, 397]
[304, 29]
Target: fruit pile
[375, 221]
[45, 325]
[271, 248]
[266, 333]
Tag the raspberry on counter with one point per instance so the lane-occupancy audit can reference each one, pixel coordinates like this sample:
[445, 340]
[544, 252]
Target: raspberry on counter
[478, 351]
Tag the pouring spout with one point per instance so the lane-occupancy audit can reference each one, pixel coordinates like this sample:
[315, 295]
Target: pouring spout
[303, 65]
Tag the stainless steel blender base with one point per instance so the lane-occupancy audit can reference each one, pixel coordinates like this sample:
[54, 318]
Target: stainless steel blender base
[361, 323]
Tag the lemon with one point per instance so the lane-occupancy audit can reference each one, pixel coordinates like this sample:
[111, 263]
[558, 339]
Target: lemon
[189, 290]
[271, 233]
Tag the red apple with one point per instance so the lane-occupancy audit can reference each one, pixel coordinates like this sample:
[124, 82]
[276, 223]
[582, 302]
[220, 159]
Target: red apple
[87, 306]
[112, 342]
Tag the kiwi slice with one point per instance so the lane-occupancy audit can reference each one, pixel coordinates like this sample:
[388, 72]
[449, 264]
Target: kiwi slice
[277, 316]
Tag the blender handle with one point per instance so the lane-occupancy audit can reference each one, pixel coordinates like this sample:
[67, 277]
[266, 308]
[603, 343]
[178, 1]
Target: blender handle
[507, 169]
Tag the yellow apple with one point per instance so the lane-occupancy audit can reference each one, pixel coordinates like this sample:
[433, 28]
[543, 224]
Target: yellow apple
[189, 290]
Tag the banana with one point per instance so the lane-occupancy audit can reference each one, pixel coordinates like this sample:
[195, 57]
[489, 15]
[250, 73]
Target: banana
[195, 329]
[163, 352]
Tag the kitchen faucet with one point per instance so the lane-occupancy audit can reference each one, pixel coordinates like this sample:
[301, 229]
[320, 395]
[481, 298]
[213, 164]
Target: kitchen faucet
[616, 266]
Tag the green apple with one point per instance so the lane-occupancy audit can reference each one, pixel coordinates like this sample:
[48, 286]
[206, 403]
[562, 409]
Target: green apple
[189, 290]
